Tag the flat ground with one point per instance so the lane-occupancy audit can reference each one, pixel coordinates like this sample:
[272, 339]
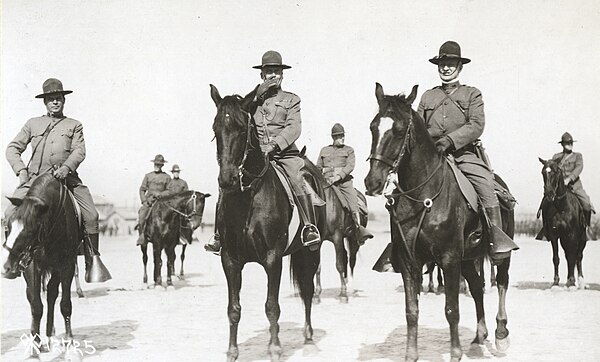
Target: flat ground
[124, 321]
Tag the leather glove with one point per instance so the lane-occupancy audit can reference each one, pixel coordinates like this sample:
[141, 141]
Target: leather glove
[23, 177]
[272, 147]
[443, 145]
[62, 172]
[264, 87]
[336, 178]
[567, 180]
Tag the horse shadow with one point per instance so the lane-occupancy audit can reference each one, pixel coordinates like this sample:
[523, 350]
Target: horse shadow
[434, 343]
[292, 340]
[113, 336]
[92, 293]
[333, 293]
[548, 285]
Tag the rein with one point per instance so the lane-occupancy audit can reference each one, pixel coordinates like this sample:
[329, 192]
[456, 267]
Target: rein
[187, 217]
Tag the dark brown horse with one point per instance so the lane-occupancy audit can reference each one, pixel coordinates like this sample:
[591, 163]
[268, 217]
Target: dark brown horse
[563, 220]
[253, 218]
[42, 242]
[338, 227]
[167, 217]
[430, 220]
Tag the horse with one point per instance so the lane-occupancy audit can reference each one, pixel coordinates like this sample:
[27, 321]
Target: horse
[42, 243]
[563, 219]
[432, 222]
[338, 226]
[253, 218]
[167, 217]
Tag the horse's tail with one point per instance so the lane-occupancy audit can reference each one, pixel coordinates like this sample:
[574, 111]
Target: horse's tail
[303, 265]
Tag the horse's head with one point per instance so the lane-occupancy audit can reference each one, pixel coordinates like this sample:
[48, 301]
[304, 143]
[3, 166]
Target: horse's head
[194, 208]
[553, 178]
[395, 120]
[232, 128]
[22, 234]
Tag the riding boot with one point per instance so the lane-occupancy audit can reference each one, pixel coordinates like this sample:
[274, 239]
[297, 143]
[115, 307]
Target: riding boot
[360, 232]
[500, 244]
[95, 271]
[310, 234]
[589, 234]
[214, 244]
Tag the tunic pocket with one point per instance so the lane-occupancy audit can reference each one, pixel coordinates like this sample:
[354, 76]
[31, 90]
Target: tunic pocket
[67, 135]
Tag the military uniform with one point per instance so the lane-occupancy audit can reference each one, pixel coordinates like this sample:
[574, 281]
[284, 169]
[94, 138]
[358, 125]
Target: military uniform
[456, 111]
[339, 161]
[176, 186]
[572, 164]
[64, 145]
[153, 186]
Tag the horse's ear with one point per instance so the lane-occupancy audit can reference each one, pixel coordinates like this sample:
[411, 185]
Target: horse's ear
[379, 92]
[15, 201]
[413, 94]
[542, 161]
[206, 195]
[302, 152]
[214, 94]
[248, 99]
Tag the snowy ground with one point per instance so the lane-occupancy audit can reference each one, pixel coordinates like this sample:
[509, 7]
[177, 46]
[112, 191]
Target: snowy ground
[125, 322]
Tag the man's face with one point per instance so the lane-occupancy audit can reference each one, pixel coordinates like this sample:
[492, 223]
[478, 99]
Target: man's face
[338, 140]
[449, 69]
[567, 146]
[54, 103]
[272, 72]
[176, 174]
[158, 167]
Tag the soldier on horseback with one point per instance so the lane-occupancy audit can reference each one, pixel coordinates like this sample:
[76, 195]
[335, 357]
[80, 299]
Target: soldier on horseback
[336, 161]
[153, 186]
[277, 116]
[454, 118]
[57, 143]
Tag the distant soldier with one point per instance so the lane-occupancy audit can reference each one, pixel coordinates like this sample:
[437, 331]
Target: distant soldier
[177, 185]
[337, 163]
[57, 143]
[153, 186]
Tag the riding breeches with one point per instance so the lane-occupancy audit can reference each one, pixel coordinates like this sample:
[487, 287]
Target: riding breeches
[480, 177]
[82, 196]
[293, 167]
[582, 196]
[349, 194]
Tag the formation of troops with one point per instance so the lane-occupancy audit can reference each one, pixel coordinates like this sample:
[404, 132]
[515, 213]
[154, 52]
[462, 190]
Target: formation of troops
[453, 114]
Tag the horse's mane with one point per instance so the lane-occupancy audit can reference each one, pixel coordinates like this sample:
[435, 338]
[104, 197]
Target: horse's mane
[231, 105]
[314, 170]
[35, 199]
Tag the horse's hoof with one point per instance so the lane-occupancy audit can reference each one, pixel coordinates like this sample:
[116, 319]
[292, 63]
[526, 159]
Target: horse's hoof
[181, 277]
[316, 300]
[151, 286]
[275, 352]
[170, 287]
[502, 344]
[572, 288]
[344, 299]
[581, 283]
[72, 355]
[555, 288]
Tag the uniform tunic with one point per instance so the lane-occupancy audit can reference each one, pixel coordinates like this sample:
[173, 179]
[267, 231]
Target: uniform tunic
[278, 119]
[456, 111]
[572, 164]
[339, 160]
[153, 186]
[64, 145]
[176, 186]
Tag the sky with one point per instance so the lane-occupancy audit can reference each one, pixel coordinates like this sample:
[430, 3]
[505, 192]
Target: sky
[140, 75]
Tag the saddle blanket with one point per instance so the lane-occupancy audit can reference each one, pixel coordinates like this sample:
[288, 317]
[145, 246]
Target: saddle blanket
[464, 185]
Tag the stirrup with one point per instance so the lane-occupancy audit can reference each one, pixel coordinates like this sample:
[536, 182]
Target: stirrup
[211, 247]
[313, 228]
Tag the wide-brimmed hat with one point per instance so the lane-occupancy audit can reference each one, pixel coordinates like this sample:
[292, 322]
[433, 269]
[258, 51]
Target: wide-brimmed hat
[337, 130]
[449, 50]
[52, 86]
[175, 168]
[566, 138]
[273, 59]
[159, 159]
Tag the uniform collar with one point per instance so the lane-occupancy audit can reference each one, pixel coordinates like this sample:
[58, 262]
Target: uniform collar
[55, 116]
[451, 85]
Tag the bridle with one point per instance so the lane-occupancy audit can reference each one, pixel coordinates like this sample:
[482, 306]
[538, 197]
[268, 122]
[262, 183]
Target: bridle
[557, 197]
[188, 217]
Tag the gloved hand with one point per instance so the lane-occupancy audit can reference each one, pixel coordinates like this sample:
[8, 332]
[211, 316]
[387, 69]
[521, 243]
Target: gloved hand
[443, 145]
[567, 180]
[271, 148]
[62, 172]
[23, 177]
[264, 87]
[335, 178]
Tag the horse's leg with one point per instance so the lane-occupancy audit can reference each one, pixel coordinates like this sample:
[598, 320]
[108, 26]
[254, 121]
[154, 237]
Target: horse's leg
[65, 301]
[440, 280]
[318, 289]
[51, 296]
[273, 268]
[144, 249]
[555, 260]
[233, 274]
[502, 340]
[170, 251]
[181, 275]
[77, 284]
[411, 291]
[341, 262]
[304, 265]
[570, 248]
[452, 276]
[476, 286]
[580, 277]
[33, 280]
[430, 286]
[493, 281]
[156, 252]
